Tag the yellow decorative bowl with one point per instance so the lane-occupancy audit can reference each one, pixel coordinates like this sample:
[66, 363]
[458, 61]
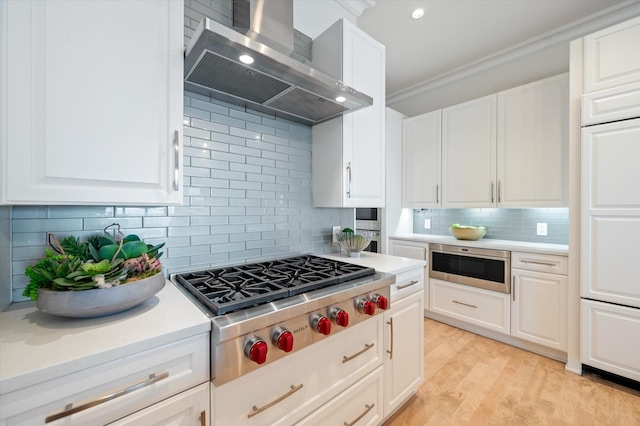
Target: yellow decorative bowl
[465, 233]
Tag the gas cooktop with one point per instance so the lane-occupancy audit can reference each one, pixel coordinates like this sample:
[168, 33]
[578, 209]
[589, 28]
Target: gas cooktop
[229, 289]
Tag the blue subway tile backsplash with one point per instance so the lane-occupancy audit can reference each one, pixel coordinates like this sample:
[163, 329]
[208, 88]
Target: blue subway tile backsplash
[501, 224]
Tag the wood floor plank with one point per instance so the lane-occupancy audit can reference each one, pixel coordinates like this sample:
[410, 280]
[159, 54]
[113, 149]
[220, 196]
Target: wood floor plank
[473, 380]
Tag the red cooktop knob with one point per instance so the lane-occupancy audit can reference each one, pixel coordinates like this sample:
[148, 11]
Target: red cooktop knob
[284, 341]
[381, 302]
[322, 325]
[367, 307]
[341, 318]
[256, 350]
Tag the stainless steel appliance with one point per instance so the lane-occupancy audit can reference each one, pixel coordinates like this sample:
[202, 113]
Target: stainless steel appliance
[217, 63]
[263, 312]
[483, 268]
[369, 219]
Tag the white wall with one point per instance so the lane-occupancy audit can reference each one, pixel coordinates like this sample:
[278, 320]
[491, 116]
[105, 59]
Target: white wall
[312, 17]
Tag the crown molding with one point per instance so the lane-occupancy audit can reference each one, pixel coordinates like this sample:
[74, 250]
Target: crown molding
[356, 7]
[603, 19]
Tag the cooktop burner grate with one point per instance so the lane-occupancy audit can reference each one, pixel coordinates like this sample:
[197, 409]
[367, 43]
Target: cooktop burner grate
[232, 288]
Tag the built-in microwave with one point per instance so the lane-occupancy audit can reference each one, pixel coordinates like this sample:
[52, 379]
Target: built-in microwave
[484, 268]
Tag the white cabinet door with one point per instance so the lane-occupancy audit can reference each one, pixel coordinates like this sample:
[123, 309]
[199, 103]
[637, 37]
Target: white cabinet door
[94, 102]
[612, 56]
[609, 338]
[348, 152]
[421, 155]
[611, 212]
[618, 103]
[539, 308]
[533, 144]
[404, 360]
[189, 408]
[469, 154]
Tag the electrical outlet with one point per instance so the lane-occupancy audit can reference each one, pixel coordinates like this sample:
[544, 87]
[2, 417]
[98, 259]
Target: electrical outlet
[427, 224]
[541, 229]
[336, 230]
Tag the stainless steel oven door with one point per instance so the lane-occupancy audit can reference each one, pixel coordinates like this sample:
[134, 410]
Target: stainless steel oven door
[374, 246]
[483, 268]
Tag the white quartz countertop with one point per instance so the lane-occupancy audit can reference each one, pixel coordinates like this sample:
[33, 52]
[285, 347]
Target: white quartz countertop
[35, 346]
[544, 248]
[380, 262]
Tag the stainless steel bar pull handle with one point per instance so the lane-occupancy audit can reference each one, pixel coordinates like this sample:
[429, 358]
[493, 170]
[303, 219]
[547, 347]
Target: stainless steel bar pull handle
[349, 358]
[492, 189]
[513, 288]
[414, 282]
[533, 262]
[367, 409]
[70, 409]
[390, 350]
[257, 410]
[349, 180]
[465, 304]
[499, 192]
[176, 161]
[437, 194]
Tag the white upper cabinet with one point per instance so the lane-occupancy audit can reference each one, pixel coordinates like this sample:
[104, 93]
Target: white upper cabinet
[92, 96]
[348, 151]
[612, 56]
[533, 144]
[421, 153]
[509, 149]
[469, 154]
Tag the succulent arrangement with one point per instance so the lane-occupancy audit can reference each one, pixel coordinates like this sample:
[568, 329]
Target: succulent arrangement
[102, 261]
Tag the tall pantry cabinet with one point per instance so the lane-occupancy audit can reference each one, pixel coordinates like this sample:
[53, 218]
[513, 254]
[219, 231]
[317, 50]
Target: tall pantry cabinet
[92, 99]
[348, 152]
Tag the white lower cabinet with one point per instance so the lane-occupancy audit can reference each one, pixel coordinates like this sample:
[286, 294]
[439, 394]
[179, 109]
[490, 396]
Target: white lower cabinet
[539, 288]
[288, 390]
[137, 381]
[610, 338]
[189, 408]
[413, 250]
[359, 405]
[484, 308]
[404, 350]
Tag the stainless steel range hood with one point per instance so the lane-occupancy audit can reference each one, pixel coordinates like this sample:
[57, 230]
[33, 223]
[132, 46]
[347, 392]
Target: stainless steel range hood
[275, 82]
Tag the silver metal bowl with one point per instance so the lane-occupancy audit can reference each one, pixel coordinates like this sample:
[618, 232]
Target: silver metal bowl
[100, 301]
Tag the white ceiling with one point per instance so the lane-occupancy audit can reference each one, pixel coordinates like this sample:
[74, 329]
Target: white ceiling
[455, 33]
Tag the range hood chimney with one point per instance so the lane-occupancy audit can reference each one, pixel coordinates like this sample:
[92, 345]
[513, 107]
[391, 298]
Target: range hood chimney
[275, 82]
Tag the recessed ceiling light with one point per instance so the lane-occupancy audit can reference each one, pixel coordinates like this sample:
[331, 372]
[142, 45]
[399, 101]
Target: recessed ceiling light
[417, 14]
[341, 99]
[246, 59]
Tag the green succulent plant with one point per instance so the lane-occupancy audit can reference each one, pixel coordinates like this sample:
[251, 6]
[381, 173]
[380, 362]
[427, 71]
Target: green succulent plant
[101, 261]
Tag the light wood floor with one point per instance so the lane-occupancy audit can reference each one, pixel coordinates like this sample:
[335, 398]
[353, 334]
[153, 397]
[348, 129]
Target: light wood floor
[473, 380]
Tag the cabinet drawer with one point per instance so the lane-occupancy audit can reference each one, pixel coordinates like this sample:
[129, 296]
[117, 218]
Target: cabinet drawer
[484, 308]
[611, 105]
[407, 283]
[549, 263]
[359, 405]
[188, 408]
[609, 338]
[291, 388]
[177, 366]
